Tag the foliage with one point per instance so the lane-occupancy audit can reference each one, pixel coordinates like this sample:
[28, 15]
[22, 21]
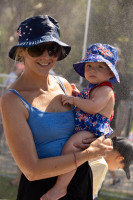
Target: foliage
[110, 22]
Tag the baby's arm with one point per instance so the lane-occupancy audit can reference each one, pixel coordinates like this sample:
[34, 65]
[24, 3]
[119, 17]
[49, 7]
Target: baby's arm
[95, 104]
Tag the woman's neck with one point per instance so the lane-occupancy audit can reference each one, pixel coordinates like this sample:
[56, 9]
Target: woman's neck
[34, 82]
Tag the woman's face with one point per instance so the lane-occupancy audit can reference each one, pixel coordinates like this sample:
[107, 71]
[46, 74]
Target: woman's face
[39, 64]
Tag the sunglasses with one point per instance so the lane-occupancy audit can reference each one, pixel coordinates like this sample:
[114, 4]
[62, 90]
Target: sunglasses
[52, 49]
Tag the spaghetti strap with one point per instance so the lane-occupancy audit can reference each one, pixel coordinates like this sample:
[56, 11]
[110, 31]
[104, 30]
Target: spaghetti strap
[61, 84]
[27, 105]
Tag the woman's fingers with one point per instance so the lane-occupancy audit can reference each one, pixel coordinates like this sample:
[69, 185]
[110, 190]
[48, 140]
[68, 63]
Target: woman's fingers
[81, 145]
[108, 142]
[89, 140]
[99, 147]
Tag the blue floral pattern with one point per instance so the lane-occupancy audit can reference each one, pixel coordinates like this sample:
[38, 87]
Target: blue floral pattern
[99, 53]
[97, 124]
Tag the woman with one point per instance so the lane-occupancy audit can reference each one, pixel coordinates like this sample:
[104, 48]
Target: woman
[36, 123]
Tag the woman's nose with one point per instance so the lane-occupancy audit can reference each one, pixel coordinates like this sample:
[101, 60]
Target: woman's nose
[45, 54]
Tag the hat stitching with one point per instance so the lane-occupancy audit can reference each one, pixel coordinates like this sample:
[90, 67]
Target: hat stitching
[19, 32]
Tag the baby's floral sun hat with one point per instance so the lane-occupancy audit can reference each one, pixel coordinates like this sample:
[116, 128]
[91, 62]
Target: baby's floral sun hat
[99, 53]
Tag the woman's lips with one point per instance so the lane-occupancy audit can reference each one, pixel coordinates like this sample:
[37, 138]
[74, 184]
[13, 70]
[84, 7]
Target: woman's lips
[43, 64]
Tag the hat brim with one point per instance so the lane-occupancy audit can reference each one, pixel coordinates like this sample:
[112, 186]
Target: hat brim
[80, 66]
[127, 171]
[66, 48]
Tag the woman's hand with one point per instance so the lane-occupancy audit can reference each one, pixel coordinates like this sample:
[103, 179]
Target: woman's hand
[99, 147]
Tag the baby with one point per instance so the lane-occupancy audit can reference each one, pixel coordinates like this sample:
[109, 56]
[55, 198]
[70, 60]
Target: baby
[93, 107]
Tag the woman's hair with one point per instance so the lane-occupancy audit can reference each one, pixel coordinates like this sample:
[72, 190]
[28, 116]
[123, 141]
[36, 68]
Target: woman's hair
[61, 52]
[18, 54]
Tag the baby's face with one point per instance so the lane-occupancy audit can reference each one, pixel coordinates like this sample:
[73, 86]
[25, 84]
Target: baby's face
[97, 72]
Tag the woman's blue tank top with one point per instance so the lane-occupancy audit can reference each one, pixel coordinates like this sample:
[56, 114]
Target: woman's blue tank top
[50, 130]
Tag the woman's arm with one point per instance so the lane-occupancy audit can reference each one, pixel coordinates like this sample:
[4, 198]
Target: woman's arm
[20, 140]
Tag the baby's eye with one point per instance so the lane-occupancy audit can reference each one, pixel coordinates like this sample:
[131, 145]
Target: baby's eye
[89, 66]
[100, 66]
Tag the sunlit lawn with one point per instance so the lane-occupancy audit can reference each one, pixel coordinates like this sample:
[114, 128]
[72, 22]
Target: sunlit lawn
[107, 195]
[8, 191]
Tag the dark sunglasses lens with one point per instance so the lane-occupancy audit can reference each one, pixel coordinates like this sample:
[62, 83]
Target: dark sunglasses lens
[35, 51]
[53, 49]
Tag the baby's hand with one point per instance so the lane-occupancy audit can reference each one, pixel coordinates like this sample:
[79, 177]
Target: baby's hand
[75, 91]
[67, 99]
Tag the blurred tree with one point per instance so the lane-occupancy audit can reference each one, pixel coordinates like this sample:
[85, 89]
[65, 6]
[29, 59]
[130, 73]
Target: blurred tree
[110, 22]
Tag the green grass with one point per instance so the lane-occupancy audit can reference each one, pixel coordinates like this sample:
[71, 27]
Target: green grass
[7, 191]
[108, 198]
[107, 195]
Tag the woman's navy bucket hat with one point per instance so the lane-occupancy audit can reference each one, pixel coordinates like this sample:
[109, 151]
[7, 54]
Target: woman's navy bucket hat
[39, 29]
[99, 53]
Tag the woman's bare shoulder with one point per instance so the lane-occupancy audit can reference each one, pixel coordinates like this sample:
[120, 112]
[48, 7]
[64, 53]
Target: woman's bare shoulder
[10, 102]
[6, 99]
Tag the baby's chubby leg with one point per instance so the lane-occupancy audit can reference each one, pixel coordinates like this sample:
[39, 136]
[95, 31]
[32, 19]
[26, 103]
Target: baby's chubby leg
[75, 142]
[60, 188]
